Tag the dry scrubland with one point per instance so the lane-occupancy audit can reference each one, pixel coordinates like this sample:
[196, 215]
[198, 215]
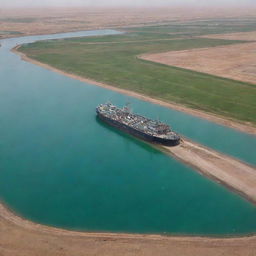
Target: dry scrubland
[15, 22]
[236, 62]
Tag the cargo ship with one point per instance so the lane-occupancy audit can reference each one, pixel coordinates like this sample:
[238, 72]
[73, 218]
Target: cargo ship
[144, 128]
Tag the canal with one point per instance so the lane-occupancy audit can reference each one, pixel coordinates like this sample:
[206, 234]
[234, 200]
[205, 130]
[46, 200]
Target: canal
[60, 166]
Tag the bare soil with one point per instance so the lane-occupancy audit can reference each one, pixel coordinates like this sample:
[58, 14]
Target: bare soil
[245, 36]
[54, 20]
[229, 171]
[237, 61]
[15, 239]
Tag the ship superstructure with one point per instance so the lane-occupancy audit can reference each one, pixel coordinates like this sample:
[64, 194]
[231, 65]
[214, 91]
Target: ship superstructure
[140, 126]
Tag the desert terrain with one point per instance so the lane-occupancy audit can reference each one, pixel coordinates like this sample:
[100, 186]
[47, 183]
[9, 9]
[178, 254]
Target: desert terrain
[244, 36]
[236, 62]
[30, 21]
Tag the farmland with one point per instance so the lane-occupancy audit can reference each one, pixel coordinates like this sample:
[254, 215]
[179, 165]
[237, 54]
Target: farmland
[114, 60]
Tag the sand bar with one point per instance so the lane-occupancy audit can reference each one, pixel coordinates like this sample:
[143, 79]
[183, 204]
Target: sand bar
[229, 171]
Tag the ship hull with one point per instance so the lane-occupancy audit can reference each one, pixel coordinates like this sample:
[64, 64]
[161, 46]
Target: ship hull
[139, 134]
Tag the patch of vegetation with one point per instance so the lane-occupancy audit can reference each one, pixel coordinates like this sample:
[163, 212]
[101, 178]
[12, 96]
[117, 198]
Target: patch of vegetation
[202, 27]
[113, 59]
[10, 33]
[18, 20]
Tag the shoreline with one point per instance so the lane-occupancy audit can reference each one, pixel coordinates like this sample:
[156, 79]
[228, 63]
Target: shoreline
[232, 173]
[16, 232]
[8, 215]
[242, 127]
[19, 235]
[217, 166]
[20, 241]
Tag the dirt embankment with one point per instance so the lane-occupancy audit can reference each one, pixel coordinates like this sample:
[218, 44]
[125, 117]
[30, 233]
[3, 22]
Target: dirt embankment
[229, 171]
[22, 238]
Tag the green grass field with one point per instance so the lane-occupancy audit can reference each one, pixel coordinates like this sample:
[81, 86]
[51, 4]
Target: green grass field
[113, 60]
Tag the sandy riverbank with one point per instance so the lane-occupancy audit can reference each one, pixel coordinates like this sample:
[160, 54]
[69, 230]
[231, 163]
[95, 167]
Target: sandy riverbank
[243, 127]
[20, 237]
[232, 173]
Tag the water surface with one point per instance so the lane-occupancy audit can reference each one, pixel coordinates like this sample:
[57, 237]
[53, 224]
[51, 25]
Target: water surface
[60, 166]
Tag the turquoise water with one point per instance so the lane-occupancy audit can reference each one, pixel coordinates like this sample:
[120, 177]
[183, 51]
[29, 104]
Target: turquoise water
[60, 166]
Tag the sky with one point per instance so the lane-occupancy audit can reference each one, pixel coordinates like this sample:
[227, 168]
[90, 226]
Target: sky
[111, 3]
